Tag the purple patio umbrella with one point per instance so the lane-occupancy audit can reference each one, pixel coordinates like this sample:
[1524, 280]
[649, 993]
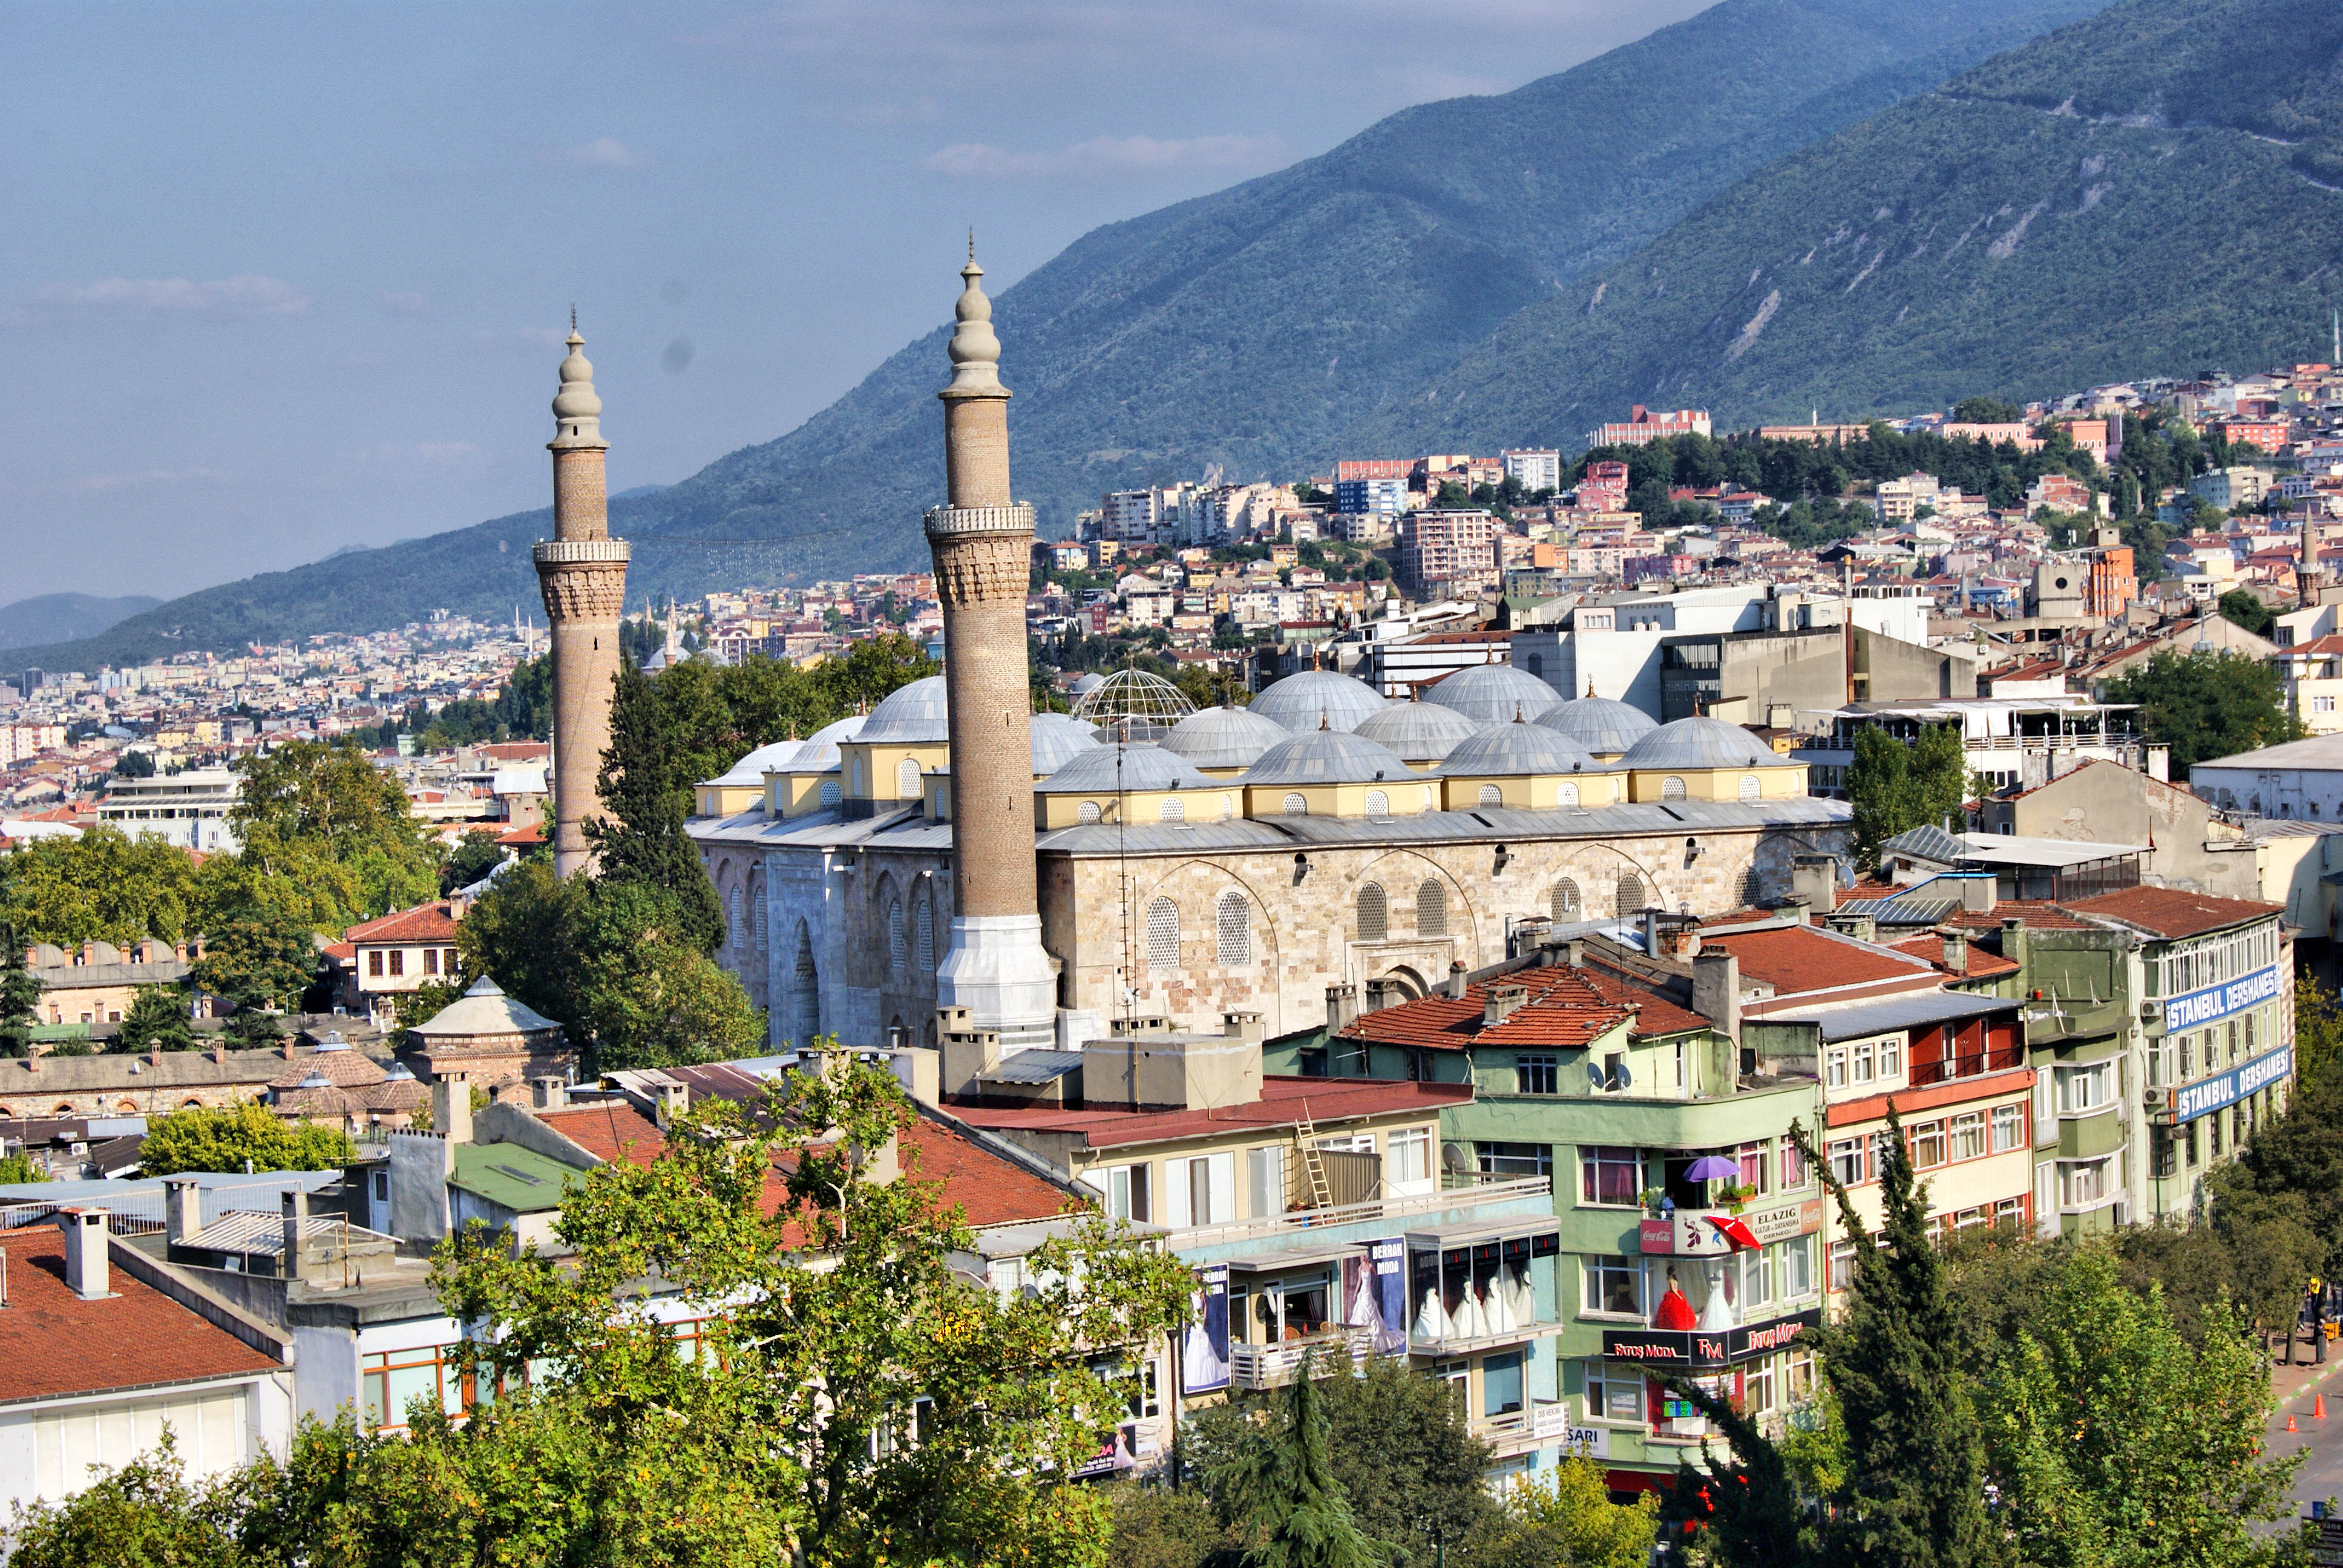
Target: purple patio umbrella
[1714, 1168]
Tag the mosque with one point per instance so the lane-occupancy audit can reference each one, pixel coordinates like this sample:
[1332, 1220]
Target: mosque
[1056, 874]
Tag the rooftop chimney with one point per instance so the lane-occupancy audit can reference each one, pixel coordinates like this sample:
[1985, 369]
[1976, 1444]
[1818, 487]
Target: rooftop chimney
[550, 1092]
[87, 1271]
[1814, 878]
[1716, 992]
[1574, 951]
[1341, 1005]
[296, 1221]
[2013, 940]
[183, 1209]
[1503, 1001]
[451, 1107]
[1456, 980]
[1956, 952]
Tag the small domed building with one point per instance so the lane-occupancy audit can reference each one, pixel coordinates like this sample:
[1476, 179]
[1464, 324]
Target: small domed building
[1604, 728]
[1528, 767]
[1421, 733]
[1709, 759]
[492, 1038]
[1314, 698]
[1223, 742]
[1493, 694]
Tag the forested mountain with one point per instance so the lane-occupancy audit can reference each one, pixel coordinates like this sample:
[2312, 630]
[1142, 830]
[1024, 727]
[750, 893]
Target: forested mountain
[1256, 328]
[2152, 190]
[62, 617]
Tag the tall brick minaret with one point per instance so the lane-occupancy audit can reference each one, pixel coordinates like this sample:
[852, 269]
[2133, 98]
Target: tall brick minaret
[982, 542]
[582, 572]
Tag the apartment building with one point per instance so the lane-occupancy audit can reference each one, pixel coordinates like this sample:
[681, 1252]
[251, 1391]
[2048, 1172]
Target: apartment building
[1645, 426]
[1446, 552]
[1533, 470]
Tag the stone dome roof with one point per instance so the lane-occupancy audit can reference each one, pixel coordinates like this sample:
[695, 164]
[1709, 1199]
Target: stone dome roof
[837, 729]
[1084, 684]
[1493, 693]
[1300, 700]
[1602, 726]
[1327, 757]
[483, 1010]
[1224, 737]
[750, 769]
[1104, 770]
[912, 715]
[1418, 731]
[1698, 743]
[1058, 739]
[1506, 750]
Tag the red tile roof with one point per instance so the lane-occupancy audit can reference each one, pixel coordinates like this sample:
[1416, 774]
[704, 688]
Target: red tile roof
[2169, 912]
[1797, 959]
[1564, 1008]
[428, 922]
[609, 1130]
[1983, 965]
[1657, 1014]
[1282, 1102]
[990, 1188]
[52, 1342]
[527, 833]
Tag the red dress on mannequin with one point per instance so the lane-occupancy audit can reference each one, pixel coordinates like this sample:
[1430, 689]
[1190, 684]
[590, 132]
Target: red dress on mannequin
[1675, 1313]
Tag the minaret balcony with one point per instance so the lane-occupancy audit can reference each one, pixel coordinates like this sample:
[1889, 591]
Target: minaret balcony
[574, 552]
[959, 522]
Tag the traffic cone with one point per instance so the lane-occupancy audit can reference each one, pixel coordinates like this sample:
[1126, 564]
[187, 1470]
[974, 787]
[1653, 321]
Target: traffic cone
[2289, 1423]
[2319, 1407]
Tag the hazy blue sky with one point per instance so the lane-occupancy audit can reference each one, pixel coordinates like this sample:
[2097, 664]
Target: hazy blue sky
[278, 279]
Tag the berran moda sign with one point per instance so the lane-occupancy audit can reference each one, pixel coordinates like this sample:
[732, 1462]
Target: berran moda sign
[1692, 1348]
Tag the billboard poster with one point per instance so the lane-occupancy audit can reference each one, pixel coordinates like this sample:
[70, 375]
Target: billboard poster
[1204, 1347]
[1374, 1295]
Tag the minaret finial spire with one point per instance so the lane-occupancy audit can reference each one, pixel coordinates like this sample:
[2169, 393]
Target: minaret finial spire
[975, 351]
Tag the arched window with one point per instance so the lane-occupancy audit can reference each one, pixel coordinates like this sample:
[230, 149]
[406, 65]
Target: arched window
[734, 930]
[896, 948]
[1162, 934]
[907, 779]
[1171, 811]
[1492, 796]
[1565, 901]
[1535, 665]
[1378, 803]
[1565, 793]
[757, 908]
[1232, 923]
[1753, 889]
[1297, 806]
[924, 940]
[1430, 909]
[1672, 788]
[1087, 811]
[829, 791]
[1375, 913]
[1749, 786]
[1631, 895]
[65, 1107]
[184, 1105]
[805, 991]
[1228, 806]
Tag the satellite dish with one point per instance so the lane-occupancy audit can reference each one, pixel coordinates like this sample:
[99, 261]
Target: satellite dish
[1594, 1079]
[1620, 1079]
[1456, 1159]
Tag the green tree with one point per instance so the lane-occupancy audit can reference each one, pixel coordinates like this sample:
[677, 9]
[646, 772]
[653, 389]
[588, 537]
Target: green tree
[646, 787]
[2317, 1029]
[1566, 1515]
[1158, 1526]
[1879, 788]
[786, 1418]
[2114, 1440]
[203, 1138]
[1939, 772]
[474, 858]
[1276, 1485]
[2240, 606]
[134, 765]
[141, 1515]
[157, 1019]
[20, 998]
[2206, 705]
[328, 837]
[18, 1170]
[102, 887]
[1986, 411]
[257, 957]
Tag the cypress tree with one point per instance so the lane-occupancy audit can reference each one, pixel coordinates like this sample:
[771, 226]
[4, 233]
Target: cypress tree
[1279, 1490]
[647, 796]
[20, 997]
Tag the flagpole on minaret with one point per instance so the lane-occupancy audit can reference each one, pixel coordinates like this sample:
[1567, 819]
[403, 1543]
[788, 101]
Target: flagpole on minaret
[982, 541]
[582, 572]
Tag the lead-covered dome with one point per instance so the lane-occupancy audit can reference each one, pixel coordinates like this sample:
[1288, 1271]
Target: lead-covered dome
[1224, 737]
[1058, 739]
[912, 715]
[1108, 769]
[750, 770]
[1301, 702]
[1511, 750]
[1327, 757]
[1418, 731]
[1692, 744]
[1602, 726]
[1493, 693]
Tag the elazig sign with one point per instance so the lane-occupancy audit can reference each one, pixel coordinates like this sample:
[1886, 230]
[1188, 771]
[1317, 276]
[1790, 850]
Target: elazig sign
[1692, 1348]
[2203, 1007]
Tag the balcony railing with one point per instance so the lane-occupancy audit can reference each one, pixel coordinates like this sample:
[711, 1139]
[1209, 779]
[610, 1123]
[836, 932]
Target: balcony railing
[1545, 1420]
[1273, 1366]
[1301, 1220]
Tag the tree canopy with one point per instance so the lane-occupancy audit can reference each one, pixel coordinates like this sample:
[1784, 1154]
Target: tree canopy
[205, 1138]
[2206, 705]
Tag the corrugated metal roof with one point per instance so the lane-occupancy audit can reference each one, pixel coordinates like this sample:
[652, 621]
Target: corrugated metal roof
[511, 1176]
[1929, 842]
[1900, 911]
[1032, 1067]
[256, 1234]
[1897, 1012]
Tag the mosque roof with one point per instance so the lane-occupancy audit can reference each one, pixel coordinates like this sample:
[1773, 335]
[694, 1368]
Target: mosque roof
[1105, 769]
[1511, 750]
[750, 770]
[483, 1008]
[1704, 743]
[1300, 701]
[1058, 739]
[1418, 731]
[912, 715]
[1327, 757]
[1493, 693]
[1602, 726]
[1224, 737]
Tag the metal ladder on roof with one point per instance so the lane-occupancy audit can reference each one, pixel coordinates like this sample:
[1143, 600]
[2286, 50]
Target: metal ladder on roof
[1306, 1136]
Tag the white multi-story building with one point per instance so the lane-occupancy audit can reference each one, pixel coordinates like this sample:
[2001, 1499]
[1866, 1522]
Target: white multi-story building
[1127, 517]
[189, 810]
[1534, 470]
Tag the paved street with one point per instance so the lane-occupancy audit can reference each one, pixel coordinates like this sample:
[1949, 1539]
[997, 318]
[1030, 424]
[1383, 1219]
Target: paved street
[2322, 1474]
